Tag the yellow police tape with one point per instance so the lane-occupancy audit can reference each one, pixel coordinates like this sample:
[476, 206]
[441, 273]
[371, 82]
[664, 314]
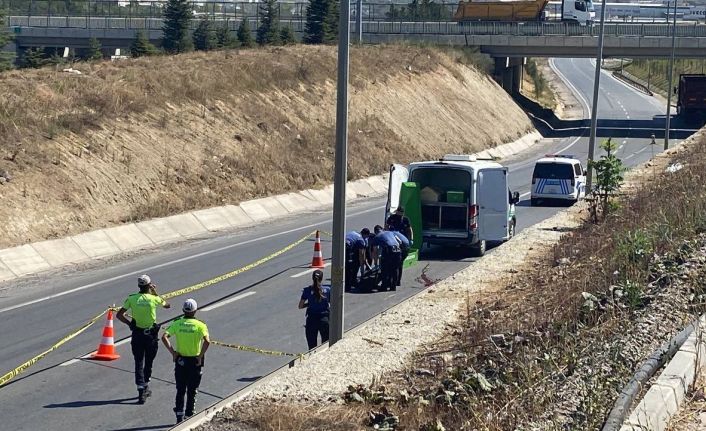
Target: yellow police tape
[255, 349]
[238, 271]
[12, 374]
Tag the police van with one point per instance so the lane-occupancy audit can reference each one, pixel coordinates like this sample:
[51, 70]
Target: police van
[463, 201]
[557, 177]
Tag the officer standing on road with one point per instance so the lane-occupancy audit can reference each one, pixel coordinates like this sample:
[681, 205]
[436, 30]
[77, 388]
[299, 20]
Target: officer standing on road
[192, 341]
[404, 252]
[143, 308]
[316, 299]
[390, 256]
[356, 243]
[397, 222]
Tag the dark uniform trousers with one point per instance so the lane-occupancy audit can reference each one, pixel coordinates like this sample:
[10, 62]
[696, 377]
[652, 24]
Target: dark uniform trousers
[390, 263]
[188, 378]
[316, 323]
[403, 256]
[144, 345]
[352, 267]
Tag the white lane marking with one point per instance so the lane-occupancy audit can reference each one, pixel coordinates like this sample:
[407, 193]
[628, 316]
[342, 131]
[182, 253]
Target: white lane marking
[525, 194]
[310, 270]
[227, 301]
[630, 156]
[172, 262]
[88, 355]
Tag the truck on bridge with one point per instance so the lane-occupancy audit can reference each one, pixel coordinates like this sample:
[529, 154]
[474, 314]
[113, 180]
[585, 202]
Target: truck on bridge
[581, 11]
[691, 96]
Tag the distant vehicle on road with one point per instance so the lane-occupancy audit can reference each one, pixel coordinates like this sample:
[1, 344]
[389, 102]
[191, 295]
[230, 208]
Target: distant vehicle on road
[557, 177]
[691, 95]
[580, 11]
[464, 201]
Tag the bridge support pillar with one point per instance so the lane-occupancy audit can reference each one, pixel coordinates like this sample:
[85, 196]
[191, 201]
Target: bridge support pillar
[508, 73]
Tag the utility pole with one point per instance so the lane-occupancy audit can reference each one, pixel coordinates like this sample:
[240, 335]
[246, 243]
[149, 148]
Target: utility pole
[594, 111]
[359, 22]
[338, 244]
[668, 117]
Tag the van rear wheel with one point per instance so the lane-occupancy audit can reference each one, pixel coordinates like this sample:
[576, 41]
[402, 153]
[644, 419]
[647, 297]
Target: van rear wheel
[478, 249]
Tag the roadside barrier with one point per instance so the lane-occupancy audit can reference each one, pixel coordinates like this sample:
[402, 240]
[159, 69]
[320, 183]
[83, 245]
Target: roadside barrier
[12, 374]
[21, 368]
[256, 350]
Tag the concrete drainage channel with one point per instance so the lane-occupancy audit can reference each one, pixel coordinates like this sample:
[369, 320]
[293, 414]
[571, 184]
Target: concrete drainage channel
[666, 395]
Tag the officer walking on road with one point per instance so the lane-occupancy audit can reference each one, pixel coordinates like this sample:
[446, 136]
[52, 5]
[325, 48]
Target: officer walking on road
[356, 244]
[143, 308]
[192, 341]
[316, 299]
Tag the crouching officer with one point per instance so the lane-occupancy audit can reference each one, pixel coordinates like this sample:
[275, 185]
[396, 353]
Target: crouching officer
[145, 342]
[192, 341]
[390, 257]
[356, 244]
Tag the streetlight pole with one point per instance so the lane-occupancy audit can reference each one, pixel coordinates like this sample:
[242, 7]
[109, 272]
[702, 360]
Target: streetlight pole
[359, 22]
[668, 117]
[340, 177]
[594, 110]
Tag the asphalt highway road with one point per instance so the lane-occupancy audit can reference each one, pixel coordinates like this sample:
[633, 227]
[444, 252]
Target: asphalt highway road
[256, 308]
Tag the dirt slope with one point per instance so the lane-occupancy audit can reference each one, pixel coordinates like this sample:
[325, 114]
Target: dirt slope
[155, 136]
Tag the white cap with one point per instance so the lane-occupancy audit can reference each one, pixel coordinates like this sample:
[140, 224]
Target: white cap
[143, 280]
[189, 306]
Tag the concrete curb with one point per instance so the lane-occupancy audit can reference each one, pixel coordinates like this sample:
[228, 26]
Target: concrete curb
[103, 243]
[664, 398]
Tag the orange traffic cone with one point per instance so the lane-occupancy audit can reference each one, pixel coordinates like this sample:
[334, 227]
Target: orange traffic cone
[318, 260]
[106, 349]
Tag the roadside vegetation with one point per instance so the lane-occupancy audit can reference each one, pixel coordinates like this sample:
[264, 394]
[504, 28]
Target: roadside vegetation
[656, 72]
[553, 348]
[535, 84]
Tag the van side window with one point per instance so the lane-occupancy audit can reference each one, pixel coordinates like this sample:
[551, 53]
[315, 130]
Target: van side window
[577, 170]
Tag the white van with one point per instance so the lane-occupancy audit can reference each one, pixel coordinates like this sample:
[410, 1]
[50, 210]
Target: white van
[557, 177]
[465, 201]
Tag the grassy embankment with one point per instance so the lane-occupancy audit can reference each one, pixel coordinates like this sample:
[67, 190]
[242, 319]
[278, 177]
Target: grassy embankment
[554, 347]
[656, 71]
[535, 84]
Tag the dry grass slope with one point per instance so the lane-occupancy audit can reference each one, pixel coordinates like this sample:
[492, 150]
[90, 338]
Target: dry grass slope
[155, 136]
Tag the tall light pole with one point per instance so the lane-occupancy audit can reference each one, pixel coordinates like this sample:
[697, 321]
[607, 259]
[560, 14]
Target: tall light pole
[338, 246]
[668, 117]
[594, 110]
[359, 22]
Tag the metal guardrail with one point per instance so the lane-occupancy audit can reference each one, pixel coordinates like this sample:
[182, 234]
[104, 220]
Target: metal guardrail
[386, 27]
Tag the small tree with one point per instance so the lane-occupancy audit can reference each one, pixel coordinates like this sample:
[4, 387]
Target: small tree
[141, 46]
[34, 58]
[6, 58]
[245, 34]
[204, 36]
[321, 22]
[287, 36]
[177, 18]
[330, 27]
[609, 177]
[268, 32]
[94, 49]
[224, 37]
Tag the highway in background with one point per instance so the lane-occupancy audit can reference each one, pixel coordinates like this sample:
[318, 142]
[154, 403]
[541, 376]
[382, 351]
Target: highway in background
[256, 308]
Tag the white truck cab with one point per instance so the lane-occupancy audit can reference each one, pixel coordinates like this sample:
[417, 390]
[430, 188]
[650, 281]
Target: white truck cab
[464, 201]
[557, 177]
[581, 11]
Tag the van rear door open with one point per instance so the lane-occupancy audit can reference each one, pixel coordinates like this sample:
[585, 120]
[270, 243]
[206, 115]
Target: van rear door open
[398, 175]
[493, 205]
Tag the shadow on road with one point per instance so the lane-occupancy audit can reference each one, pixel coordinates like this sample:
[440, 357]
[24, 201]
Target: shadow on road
[550, 126]
[249, 379]
[142, 428]
[76, 404]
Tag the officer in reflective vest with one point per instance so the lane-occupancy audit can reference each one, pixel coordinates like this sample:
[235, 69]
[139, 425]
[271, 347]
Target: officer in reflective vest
[192, 341]
[145, 342]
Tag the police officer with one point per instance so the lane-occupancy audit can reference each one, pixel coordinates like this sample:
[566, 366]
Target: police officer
[316, 299]
[356, 244]
[192, 341]
[389, 256]
[397, 222]
[404, 252]
[143, 308]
